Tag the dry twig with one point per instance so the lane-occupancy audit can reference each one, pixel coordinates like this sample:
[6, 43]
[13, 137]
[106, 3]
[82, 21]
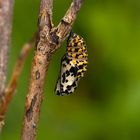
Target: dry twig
[8, 93]
[48, 41]
[6, 10]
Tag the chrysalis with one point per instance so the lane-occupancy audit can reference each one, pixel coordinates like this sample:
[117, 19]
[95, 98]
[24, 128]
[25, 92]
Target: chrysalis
[73, 65]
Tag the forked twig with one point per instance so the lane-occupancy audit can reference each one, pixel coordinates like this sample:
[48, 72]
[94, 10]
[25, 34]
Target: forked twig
[48, 41]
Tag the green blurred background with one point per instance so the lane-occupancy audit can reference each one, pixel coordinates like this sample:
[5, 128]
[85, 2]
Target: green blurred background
[106, 105]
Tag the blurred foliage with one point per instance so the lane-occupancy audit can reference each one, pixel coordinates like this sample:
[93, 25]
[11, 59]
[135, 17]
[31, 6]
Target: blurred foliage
[106, 105]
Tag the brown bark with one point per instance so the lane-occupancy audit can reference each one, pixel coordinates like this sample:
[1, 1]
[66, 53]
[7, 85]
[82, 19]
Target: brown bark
[6, 11]
[49, 40]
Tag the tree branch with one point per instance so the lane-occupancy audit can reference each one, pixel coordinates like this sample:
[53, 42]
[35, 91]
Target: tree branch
[40, 64]
[65, 25]
[9, 91]
[6, 11]
[49, 40]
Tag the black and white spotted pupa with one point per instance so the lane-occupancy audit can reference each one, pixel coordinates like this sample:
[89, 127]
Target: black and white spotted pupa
[73, 65]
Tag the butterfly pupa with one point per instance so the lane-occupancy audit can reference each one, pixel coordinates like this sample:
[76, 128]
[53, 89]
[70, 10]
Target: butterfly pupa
[73, 65]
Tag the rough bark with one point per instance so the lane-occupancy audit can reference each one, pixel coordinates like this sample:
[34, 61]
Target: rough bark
[49, 40]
